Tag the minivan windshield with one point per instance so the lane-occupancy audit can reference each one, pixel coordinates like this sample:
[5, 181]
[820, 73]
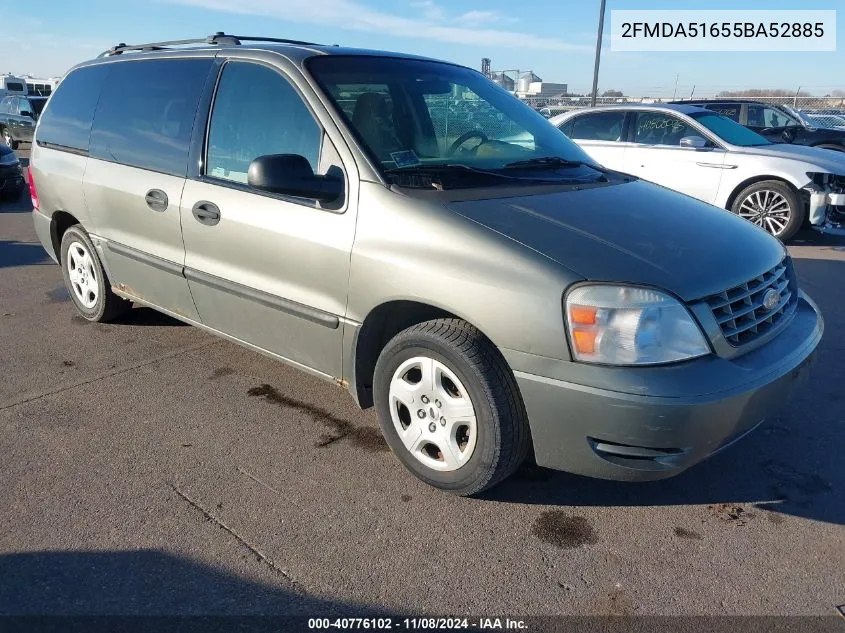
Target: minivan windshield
[729, 130]
[425, 116]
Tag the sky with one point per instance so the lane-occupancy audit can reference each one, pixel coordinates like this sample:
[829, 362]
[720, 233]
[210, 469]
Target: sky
[554, 38]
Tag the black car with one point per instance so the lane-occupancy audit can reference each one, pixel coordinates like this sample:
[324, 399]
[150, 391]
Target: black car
[11, 176]
[17, 118]
[777, 123]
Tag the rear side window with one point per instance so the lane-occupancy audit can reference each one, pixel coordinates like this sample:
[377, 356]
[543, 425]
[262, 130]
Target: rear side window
[730, 110]
[656, 128]
[146, 113]
[14, 86]
[601, 126]
[67, 122]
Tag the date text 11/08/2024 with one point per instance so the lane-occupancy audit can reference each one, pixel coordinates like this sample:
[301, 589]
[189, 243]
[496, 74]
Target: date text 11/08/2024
[429, 624]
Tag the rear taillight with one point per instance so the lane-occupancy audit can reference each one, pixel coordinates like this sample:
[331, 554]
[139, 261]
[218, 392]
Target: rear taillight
[32, 191]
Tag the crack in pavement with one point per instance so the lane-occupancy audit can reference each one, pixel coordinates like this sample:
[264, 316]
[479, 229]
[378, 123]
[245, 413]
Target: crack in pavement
[257, 480]
[116, 372]
[261, 556]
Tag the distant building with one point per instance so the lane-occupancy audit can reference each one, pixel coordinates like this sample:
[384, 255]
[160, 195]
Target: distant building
[503, 80]
[544, 89]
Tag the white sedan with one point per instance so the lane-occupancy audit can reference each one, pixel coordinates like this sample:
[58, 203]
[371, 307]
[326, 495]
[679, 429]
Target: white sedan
[710, 157]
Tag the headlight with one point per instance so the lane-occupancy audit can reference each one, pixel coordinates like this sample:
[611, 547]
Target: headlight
[8, 159]
[624, 325]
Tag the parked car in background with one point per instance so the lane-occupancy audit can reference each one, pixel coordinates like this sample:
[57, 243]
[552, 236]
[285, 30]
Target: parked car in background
[483, 296]
[778, 123]
[710, 157]
[11, 176]
[17, 118]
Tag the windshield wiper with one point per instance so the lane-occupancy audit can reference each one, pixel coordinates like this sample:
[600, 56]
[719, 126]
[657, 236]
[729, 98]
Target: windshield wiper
[546, 161]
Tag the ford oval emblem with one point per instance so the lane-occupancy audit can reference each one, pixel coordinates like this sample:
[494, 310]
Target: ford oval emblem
[771, 299]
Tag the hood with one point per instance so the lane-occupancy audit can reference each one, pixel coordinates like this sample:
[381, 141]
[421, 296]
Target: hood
[635, 232]
[823, 159]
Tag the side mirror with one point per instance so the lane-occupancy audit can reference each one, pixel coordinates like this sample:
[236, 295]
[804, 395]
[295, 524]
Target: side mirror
[788, 135]
[694, 142]
[291, 174]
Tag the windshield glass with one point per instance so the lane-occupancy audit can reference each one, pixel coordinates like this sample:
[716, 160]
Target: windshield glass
[414, 114]
[728, 130]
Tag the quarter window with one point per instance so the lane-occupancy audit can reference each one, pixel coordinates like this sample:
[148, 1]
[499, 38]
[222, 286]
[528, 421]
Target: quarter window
[653, 128]
[67, 121]
[600, 126]
[146, 113]
[257, 112]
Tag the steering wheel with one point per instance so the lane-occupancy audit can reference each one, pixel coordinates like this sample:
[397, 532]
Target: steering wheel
[463, 138]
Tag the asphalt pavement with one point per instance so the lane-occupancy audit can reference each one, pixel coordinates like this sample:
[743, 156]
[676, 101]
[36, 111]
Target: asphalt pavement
[150, 468]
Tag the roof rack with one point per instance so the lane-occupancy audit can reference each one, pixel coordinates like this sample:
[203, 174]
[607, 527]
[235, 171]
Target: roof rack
[220, 39]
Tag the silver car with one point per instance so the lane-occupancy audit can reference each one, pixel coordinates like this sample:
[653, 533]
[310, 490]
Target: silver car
[707, 156]
[338, 210]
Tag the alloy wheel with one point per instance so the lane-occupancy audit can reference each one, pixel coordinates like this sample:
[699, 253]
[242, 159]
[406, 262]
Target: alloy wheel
[82, 274]
[767, 209]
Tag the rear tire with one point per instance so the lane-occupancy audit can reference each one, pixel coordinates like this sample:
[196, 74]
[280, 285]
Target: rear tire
[86, 280]
[772, 205]
[449, 407]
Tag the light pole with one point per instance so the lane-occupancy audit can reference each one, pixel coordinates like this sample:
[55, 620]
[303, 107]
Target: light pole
[598, 57]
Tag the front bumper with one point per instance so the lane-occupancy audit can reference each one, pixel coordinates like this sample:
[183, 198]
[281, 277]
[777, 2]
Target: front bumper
[662, 430]
[827, 212]
[11, 182]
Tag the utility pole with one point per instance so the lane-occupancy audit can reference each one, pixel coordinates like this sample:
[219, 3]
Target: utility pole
[598, 57]
[795, 98]
[675, 91]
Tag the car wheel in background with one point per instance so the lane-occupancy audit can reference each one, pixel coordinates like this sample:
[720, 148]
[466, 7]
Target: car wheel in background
[85, 279]
[772, 205]
[7, 139]
[449, 406]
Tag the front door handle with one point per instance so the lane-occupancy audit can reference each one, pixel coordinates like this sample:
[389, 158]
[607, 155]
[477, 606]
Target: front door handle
[156, 200]
[206, 213]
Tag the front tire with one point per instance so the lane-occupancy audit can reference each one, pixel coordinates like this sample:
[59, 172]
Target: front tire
[449, 407]
[86, 280]
[772, 205]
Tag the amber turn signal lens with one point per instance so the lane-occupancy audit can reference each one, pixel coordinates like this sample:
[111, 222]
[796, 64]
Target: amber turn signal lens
[583, 315]
[585, 341]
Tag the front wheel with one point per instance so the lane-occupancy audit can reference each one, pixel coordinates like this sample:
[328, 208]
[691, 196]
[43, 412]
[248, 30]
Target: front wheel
[449, 407]
[773, 206]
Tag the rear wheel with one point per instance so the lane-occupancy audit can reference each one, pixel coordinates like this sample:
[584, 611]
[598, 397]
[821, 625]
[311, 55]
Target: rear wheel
[449, 407]
[773, 206]
[86, 279]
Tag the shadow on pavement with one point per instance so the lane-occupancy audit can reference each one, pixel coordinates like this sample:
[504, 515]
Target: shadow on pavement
[147, 583]
[13, 253]
[791, 465]
[144, 316]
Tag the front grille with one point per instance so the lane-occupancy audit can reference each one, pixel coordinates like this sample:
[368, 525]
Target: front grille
[740, 311]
